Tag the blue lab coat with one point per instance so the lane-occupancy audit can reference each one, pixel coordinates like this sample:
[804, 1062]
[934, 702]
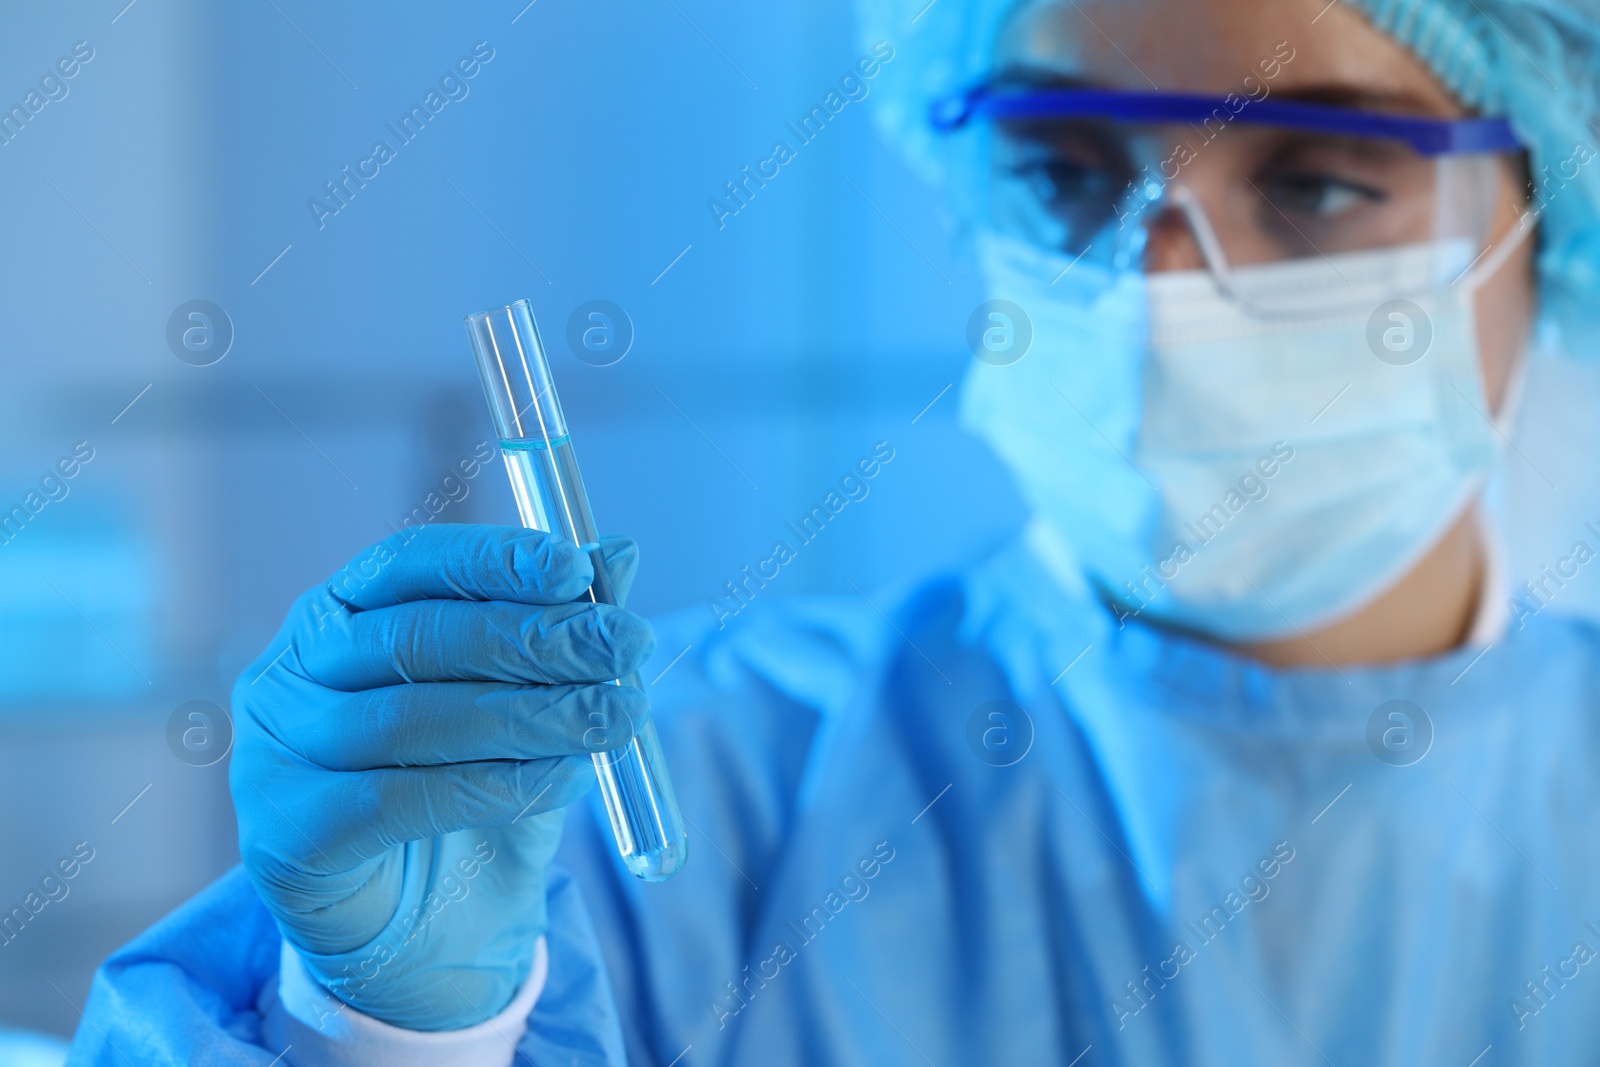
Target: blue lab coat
[1159, 853]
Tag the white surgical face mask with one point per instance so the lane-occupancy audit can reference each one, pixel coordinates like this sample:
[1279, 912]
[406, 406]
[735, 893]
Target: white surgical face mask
[1241, 476]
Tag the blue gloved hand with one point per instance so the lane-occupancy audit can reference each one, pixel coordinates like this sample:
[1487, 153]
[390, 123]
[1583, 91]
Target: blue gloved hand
[403, 750]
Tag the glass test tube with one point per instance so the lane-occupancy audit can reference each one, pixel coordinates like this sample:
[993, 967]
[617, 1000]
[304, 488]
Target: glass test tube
[544, 477]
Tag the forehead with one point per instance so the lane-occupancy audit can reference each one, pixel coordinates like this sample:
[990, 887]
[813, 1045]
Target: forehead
[1211, 46]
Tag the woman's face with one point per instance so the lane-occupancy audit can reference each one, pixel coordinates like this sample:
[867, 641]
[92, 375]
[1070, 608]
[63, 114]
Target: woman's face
[1212, 47]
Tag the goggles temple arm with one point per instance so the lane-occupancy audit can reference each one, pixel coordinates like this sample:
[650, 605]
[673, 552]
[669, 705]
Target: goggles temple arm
[1205, 237]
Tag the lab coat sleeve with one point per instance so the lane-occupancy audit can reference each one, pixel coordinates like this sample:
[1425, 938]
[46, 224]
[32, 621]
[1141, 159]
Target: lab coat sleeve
[185, 990]
[190, 990]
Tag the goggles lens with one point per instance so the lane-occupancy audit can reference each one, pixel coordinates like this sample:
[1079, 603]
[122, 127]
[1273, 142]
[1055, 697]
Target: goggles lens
[1069, 172]
[1270, 194]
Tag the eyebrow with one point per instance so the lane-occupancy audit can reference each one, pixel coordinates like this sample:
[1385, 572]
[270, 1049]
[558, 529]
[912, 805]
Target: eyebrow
[1333, 94]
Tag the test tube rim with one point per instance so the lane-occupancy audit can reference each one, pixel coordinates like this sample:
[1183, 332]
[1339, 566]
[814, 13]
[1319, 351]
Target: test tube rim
[519, 302]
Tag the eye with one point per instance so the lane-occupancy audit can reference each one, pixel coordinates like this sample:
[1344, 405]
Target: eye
[1059, 182]
[1317, 195]
[1068, 183]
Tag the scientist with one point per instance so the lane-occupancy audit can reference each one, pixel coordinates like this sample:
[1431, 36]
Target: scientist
[1235, 756]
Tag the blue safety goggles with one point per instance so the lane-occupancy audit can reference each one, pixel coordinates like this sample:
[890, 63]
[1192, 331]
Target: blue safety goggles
[1425, 136]
[1083, 170]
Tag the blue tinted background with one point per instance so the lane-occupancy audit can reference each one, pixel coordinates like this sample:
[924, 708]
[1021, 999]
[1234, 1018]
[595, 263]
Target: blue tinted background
[773, 353]
[769, 355]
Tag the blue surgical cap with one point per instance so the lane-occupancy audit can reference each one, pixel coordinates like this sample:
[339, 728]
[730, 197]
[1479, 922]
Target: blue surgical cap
[1536, 62]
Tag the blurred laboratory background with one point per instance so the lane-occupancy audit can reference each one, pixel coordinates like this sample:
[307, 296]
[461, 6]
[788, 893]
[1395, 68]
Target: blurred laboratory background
[238, 325]
[182, 169]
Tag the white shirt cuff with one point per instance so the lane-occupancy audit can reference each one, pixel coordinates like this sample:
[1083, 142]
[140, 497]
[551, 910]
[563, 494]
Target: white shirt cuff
[310, 1027]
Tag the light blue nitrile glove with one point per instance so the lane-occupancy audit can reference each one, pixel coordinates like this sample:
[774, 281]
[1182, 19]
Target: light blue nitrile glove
[403, 751]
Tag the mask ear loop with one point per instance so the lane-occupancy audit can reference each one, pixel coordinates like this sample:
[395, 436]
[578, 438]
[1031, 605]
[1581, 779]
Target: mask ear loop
[1494, 256]
[1492, 616]
[1478, 272]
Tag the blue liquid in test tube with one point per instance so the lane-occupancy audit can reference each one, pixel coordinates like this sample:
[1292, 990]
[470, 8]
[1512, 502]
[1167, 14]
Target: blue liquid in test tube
[537, 450]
